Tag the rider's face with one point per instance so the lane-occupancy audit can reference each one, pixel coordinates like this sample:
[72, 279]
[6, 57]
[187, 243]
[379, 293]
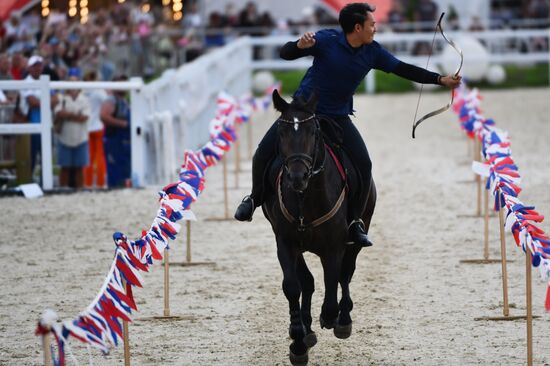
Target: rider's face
[367, 31]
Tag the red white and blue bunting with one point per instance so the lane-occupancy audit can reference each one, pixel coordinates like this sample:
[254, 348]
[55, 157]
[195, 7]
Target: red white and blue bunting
[503, 181]
[100, 324]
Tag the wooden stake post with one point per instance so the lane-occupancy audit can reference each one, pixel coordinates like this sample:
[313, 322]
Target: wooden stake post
[46, 349]
[486, 259]
[477, 157]
[237, 163]
[126, 333]
[529, 323]
[167, 282]
[225, 196]
[505, 308]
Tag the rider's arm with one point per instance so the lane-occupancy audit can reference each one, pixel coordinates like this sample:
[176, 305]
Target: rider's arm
[290, 51]
[417, 74]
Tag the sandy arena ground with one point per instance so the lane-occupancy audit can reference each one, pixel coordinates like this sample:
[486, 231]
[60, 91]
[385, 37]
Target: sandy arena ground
[415, 303]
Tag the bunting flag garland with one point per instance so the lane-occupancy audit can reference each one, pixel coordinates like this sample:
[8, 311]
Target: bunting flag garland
[100, 325]
[503, 181]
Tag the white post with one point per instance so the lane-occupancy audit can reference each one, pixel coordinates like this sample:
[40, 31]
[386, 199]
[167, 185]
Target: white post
[46, 132]
[137, 139]
[370, 82]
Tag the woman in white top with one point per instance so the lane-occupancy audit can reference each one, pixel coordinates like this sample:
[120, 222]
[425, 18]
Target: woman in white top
[72, 149]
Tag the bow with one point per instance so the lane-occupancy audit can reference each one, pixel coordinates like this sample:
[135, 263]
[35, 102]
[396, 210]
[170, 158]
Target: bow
[444, 108]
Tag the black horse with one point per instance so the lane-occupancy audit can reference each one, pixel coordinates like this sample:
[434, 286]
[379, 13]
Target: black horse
[306, 204]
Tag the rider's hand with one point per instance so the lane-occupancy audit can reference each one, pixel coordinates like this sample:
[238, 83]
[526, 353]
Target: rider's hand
[307, 40]
[450, 81]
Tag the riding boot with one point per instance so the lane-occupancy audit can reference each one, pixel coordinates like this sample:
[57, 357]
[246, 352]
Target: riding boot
[249, 203]
[356, 229]
[263, 155]
[357, 233]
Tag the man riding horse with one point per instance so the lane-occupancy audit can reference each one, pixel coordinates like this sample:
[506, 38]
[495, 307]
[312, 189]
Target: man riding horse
[341, 60]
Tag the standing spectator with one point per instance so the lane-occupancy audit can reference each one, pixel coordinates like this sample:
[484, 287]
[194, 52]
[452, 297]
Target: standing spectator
[97, 168]
[30, 104]
[115, 115]
[192, 18]
[72, 149]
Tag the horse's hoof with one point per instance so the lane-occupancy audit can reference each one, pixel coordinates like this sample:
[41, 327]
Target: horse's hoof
[310, 339]
[342, 331]
[325, 325]
[298, 360]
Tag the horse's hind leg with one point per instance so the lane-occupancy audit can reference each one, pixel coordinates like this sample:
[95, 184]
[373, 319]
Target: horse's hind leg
[288, 259]
[342, 328]
[307, 283]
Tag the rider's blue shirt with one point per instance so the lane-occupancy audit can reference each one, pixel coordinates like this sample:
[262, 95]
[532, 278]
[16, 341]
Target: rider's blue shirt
[338, 69]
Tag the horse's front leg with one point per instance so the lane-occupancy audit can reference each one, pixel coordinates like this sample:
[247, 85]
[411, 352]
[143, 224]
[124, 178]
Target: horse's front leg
[343, 325]
[307, 283]
[332, 263]
[291, 287]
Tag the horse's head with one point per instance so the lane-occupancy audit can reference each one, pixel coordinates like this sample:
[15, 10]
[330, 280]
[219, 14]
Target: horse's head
[298, 132]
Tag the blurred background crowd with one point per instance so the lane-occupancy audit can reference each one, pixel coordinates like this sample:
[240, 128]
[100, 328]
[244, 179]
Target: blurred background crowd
[144, 37]
[114, 40]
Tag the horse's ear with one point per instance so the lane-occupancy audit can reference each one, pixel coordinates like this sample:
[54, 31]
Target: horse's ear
[278, 102]
[312, 101]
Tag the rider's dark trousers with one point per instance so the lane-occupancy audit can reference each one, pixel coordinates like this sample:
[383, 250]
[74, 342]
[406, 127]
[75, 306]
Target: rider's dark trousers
[354, 146]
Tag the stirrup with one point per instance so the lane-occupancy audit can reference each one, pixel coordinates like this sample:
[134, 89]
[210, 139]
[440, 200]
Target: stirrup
[355, 222]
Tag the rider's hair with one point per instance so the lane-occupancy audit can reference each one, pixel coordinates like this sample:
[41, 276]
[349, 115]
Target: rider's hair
[354, 13]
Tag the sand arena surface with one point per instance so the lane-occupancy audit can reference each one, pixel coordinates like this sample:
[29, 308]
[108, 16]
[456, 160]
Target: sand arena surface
[414, 302]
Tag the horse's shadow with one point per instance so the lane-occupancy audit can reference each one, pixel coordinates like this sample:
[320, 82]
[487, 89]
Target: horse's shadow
[306, 202]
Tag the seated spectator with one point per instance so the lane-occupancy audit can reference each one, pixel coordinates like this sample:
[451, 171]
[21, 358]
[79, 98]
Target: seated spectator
[72, 148]
[115, 115]
[476, 25]
[96, 170]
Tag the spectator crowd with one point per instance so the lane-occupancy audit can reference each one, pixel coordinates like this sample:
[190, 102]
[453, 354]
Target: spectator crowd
[139, 38]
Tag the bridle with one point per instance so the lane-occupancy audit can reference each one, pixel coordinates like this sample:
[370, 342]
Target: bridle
[307, 160]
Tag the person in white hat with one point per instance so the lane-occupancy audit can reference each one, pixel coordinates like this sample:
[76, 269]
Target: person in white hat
[30, 103]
